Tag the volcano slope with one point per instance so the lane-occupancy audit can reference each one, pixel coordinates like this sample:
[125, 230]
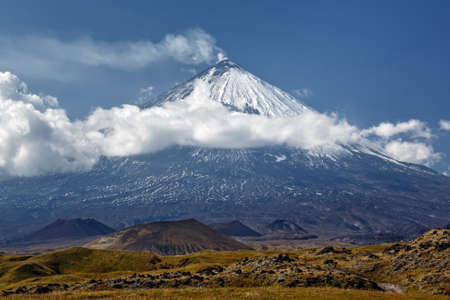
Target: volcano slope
[359, 194]
[168, 238]
[235, 228]
[60, 234]
[357, 190]
[69, 229]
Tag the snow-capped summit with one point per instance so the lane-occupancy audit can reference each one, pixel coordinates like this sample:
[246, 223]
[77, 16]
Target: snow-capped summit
[358, 191]
[238, 89]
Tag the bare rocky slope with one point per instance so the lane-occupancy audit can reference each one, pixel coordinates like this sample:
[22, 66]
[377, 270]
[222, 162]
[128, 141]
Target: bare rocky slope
[235, 228]
[69, 229]
[168, 238]
[60, 234]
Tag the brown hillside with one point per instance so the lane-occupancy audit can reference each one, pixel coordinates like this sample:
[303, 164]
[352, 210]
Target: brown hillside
[61, 234]
[235, 228]
[168, 238]
[69, 229]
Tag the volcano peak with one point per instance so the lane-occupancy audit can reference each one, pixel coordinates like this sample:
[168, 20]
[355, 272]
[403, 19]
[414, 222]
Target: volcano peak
[237, 89]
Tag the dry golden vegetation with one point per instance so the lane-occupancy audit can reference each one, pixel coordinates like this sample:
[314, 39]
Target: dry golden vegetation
[233, 293]
[420, 266]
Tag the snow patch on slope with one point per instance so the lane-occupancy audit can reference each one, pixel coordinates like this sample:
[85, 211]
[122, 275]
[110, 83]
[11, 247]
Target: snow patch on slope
[280, 158]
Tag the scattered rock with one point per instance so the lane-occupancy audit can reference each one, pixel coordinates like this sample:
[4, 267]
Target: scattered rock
[394, 249]
[426, 245]
[390, 287]
[40, 290]
[330, 262]
[281, 258]
[327, 250]
[155, 260]
[442, 246]
[373, 256]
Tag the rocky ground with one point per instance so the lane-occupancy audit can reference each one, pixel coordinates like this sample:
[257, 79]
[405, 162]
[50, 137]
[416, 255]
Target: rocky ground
[422, 264]
[283, 269]
[419, 265]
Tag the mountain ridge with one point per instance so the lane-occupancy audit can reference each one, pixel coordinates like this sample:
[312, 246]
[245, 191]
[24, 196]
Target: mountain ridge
[168, 238]
[237, 89]
[235, 228]
[69, 229]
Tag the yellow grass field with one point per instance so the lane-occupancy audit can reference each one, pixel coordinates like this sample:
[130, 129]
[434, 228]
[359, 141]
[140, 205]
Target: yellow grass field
[234, 293]
[415, 270]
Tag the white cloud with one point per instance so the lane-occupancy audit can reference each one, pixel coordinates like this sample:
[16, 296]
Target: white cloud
[415, 128]
[405, 141]
[445, 124]
[37, 137]
[52, 57]
[414, 152]
[221, 56]
[11, 87]
[200, 122]
[302, 93]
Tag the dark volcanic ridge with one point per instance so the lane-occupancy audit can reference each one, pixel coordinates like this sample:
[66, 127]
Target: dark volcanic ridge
[69, 229]
[235, 228]
[168, 238]
[285, 226]
[60, 234]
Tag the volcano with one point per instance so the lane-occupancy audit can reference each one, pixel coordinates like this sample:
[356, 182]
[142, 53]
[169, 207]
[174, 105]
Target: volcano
[168, 238]
[71, 229]
[355, 191]
[233, 86]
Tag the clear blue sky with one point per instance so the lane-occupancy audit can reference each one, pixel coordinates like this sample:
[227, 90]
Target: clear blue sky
[371, 61]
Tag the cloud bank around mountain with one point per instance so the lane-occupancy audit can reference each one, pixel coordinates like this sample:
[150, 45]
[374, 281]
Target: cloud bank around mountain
[414, 128]
[405, 141]
[47, 56]
[37, 137]
[445, 125]
[197, 121]
[414, 152]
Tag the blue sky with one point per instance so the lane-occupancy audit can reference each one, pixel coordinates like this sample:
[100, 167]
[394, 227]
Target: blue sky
[370, 61]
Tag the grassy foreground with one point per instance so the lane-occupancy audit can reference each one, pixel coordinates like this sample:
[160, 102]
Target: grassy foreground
[415, 267]
[234, 293]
